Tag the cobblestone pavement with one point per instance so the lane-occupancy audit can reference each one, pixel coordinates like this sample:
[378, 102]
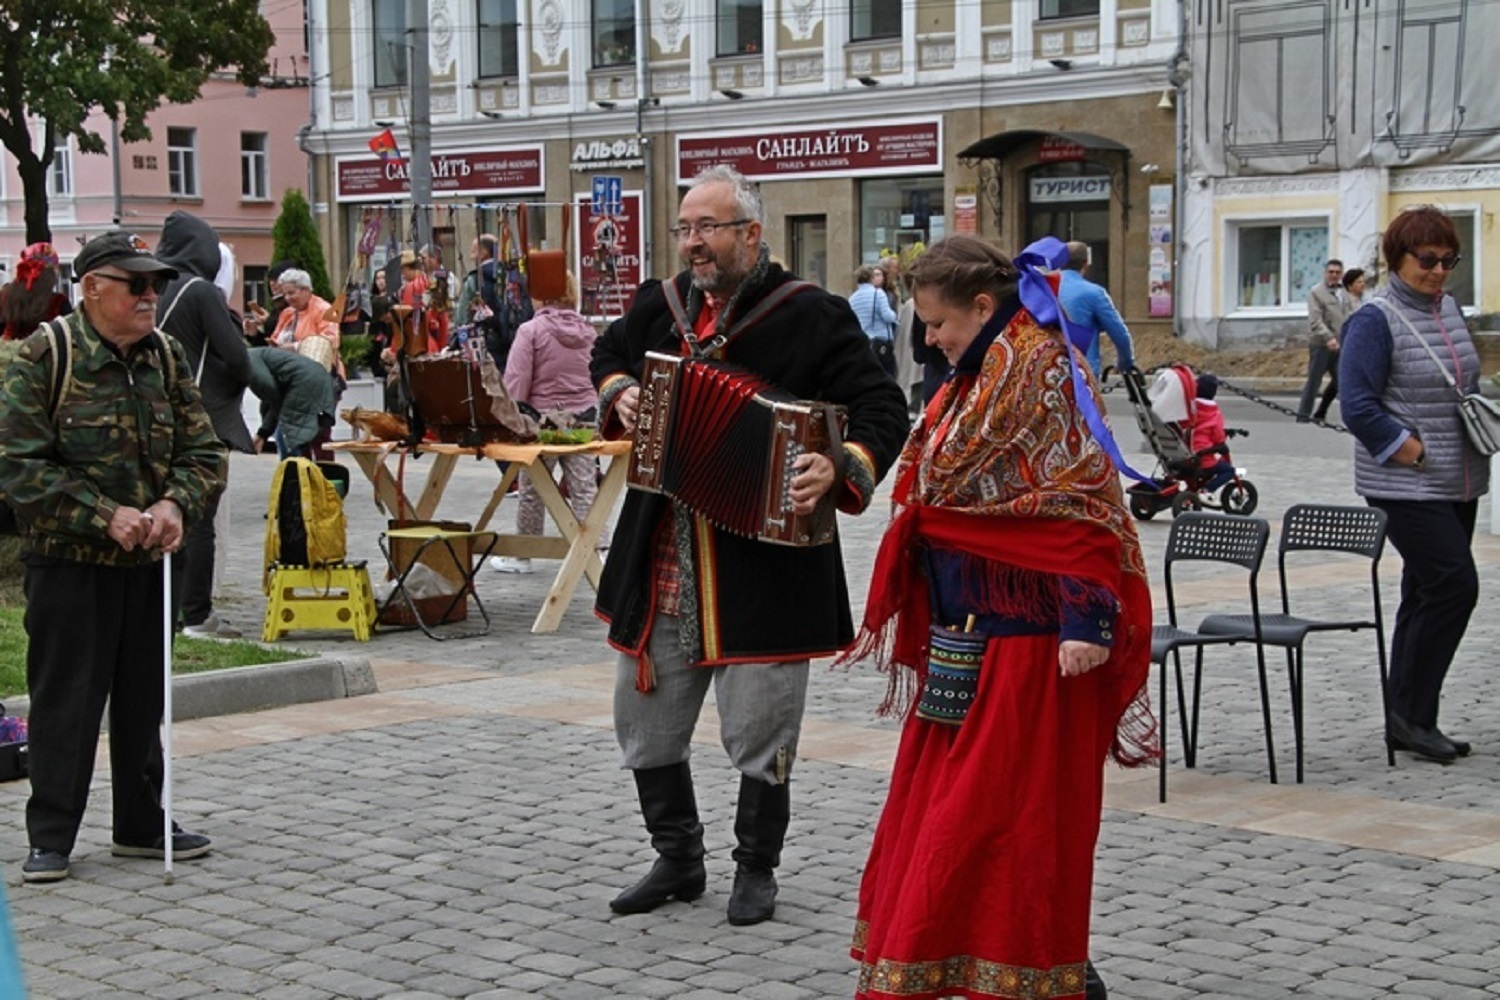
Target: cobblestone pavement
[461, 832]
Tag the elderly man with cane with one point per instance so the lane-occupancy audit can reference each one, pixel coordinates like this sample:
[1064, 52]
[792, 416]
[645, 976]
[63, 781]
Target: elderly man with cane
[106, 456]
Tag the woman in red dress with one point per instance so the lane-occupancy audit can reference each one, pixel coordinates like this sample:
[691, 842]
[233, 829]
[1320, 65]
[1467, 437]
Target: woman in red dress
[32, 298]
[1009, 603]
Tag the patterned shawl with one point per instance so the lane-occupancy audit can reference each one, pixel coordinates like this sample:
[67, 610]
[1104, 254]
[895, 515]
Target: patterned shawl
[1002, 469]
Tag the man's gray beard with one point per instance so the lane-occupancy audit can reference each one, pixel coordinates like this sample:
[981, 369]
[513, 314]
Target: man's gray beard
[717, 284]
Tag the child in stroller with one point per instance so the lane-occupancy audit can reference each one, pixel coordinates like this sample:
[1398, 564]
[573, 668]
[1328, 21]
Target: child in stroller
[1180, 420]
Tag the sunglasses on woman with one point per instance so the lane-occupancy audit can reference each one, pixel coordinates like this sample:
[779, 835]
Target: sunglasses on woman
[1428, 261]
[138, 283]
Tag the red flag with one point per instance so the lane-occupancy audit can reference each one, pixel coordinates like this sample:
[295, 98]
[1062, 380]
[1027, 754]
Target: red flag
[384, 145]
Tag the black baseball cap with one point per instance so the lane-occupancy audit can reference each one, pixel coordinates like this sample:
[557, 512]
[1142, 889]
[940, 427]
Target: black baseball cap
[127, 251]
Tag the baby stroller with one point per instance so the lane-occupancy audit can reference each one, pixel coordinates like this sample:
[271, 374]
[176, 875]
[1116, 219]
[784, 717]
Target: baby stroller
[1165, 416]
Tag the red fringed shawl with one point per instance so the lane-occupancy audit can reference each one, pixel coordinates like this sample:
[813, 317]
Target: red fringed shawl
[1003, 469]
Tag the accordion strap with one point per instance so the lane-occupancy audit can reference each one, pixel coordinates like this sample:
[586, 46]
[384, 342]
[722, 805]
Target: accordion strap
[685, 323]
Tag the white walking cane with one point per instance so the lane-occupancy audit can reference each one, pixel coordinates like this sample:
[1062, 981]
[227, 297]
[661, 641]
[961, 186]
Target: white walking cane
[166, 718]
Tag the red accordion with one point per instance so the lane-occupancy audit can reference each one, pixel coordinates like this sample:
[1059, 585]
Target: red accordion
[722, 441]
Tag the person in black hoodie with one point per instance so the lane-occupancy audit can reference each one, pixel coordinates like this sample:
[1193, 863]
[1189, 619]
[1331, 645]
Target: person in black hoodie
[194, 311]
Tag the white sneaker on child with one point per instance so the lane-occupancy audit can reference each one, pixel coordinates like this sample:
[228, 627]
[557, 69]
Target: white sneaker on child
[507, 564]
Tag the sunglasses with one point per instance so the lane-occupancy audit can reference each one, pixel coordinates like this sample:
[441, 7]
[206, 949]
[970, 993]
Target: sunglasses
[1428, 261]
[138, 283]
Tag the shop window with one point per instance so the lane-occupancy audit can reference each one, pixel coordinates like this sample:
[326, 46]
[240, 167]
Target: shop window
[895, 214]
[498, 27]
[182, 162]
[739, 27]
[614, 32]
[871, 19]
[1069, 8]
[1277, 263]
[255, 182]
[389, 40]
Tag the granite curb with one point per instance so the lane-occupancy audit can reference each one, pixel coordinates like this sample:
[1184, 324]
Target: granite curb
[258, 687]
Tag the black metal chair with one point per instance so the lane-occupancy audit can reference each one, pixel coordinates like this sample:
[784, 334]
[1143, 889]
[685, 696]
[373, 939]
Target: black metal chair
[1203, 537]
[1321, 528]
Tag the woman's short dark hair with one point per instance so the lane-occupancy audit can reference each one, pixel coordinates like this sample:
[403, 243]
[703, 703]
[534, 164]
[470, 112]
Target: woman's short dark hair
[863, 274]
[1352, 275]
[960, 267]
[1418, 226]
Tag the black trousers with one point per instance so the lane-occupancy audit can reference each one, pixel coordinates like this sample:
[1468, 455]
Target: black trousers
[95, 633]
[1320, 361]
[1439, 588]
[193, 568]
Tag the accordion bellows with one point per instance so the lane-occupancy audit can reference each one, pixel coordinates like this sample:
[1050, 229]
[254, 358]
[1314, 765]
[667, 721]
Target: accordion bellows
[722, 441]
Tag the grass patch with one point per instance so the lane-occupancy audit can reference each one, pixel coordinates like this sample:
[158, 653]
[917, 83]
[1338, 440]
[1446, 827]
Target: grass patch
[189, 656]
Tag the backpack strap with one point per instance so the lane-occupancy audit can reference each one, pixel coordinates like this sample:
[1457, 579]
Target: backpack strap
[161, 324]
[169, 360]
[60, 339]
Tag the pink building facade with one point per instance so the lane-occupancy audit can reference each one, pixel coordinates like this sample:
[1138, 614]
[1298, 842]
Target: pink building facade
[227, 158]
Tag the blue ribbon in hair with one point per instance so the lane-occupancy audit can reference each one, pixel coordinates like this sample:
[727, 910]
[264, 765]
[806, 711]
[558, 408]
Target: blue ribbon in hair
[1050, 254]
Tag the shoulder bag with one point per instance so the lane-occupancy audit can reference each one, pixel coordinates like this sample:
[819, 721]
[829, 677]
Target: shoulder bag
[1480, 417]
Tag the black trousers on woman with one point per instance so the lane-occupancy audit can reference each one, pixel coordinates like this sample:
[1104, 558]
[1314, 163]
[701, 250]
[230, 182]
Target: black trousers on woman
[1439, 588]
[95, 633]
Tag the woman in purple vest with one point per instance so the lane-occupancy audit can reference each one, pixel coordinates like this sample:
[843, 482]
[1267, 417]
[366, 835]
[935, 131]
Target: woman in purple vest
[1414, 462]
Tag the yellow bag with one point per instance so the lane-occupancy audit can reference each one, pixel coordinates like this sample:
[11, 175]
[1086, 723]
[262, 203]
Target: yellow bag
[305, 523]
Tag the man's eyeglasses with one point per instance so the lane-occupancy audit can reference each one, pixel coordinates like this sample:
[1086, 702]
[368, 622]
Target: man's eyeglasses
[138, 283]
[704, 229]
[1428, 261]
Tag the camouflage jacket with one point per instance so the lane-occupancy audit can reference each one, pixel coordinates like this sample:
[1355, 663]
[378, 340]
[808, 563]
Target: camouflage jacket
[122, 436]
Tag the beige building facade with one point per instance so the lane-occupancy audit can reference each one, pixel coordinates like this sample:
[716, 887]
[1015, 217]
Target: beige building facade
[872, 126]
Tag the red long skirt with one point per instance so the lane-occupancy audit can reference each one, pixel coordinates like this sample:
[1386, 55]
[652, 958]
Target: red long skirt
[980, 875]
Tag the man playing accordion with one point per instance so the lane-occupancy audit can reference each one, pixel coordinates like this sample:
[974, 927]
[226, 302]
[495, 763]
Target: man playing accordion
[689, 603]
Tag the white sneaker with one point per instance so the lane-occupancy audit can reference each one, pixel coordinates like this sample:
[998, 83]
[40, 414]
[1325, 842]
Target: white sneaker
[506, 564]
[212, 627]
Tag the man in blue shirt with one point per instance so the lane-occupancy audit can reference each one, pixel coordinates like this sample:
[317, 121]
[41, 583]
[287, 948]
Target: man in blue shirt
[1089, 305]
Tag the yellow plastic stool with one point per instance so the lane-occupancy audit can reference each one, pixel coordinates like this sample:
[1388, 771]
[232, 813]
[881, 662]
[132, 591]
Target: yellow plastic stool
[336, 596]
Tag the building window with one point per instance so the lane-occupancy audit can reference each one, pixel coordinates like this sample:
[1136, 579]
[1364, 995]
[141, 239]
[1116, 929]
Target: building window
[498, 28]
[614, 32]
[1072, 201]
[1069, 8]
[254, 164]
[809, 247]
[874, 19]
[389, 39]
[257, 286]
[1278, 263]
[739, 27]
[60, 180]
[182, 162]
[1462, 283]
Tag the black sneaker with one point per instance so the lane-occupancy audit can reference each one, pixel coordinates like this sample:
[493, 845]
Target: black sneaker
[184, 845]
[43, 865]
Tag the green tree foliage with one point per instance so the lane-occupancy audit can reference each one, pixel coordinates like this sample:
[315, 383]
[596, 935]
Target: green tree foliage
[60, 61]
[295, 238]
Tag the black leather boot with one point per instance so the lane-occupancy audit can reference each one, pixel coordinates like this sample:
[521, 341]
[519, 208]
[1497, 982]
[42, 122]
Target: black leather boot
[1093, 986]
[671, 813]
[760, 828]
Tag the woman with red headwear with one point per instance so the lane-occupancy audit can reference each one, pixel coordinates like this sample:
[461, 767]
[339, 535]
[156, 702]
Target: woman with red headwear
[32, 298]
